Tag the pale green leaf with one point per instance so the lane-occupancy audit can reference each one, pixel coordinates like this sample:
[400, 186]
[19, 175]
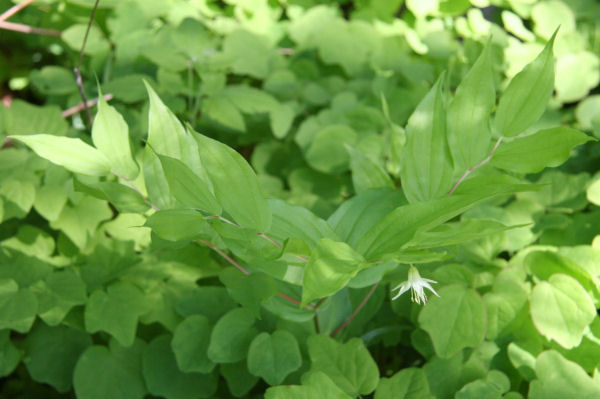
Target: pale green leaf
[561, 309]
[73, 154]
[546, 148]
[331, 265]
[559, 378]
[526, 97]
[455, 320]
[110, 135]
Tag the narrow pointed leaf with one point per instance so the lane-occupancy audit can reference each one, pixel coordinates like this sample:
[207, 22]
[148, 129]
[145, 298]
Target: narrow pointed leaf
[235, 184]
[426, 163]
[546, 148]
[526, 97]
[73, 154]
[187, 187]
[469, 131]
[177, 224]
[110, 135]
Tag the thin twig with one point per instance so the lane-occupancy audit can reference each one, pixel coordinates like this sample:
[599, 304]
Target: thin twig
[226, 257]
[286, 51]
[358, 309]
[297, 302]
[28, 29]
[137, 190]
[14, 9]
[77, 69]
[79, 107]
[479, 165]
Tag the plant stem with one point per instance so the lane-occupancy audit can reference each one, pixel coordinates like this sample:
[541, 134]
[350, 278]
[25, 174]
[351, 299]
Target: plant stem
[28, 29]
[226, 257]
[79, 107]
[356, 311]
[479, 165]
[14, 9]
[77, 69]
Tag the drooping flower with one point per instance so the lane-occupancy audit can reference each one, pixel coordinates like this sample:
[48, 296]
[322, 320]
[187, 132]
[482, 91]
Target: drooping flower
[416, 284]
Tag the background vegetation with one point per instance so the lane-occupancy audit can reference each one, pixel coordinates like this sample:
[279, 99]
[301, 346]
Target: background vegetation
[100, 297]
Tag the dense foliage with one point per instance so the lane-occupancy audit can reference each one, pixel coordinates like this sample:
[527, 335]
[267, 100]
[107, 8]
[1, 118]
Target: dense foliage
[261, 180]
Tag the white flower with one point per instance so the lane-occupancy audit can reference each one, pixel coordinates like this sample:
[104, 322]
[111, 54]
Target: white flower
[416, 284]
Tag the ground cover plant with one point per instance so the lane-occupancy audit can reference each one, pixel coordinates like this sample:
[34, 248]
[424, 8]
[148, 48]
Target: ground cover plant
[246, 199]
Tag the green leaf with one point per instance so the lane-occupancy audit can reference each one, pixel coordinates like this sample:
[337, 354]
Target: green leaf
[544, 264]
[116, 311]
[593, 192]
[315, 385]
[124, 198]
[100, 374]
[561, 310]
[359, 214]
[231, 337]
[221, 110]
[58, 294]
[212, 302]
[274, 356]
[25, 118]
[331, 265]
[410, 383]
[327, 152]
[250, 291]
[546, 148]
[239, 380]
[469, 131]
[73, 154]
[235, 184]
[241, 46]
[291, 221]
[549, 15]
[17, 307]
[11, 356]
[49, 201]
[163, 377]
[365, 173]
[110, 135]
[52, 80]
[52, 352]
[526, 97]
[19, 197]
[190, 344]
[350, 365]
[79, 222]
[187, 187]
[576, 75]
[455, 320]
[166, 136]
[95, 44]
[426, 162]
[177, 224]
[399, 226]
[559, 378]
[456, 233]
